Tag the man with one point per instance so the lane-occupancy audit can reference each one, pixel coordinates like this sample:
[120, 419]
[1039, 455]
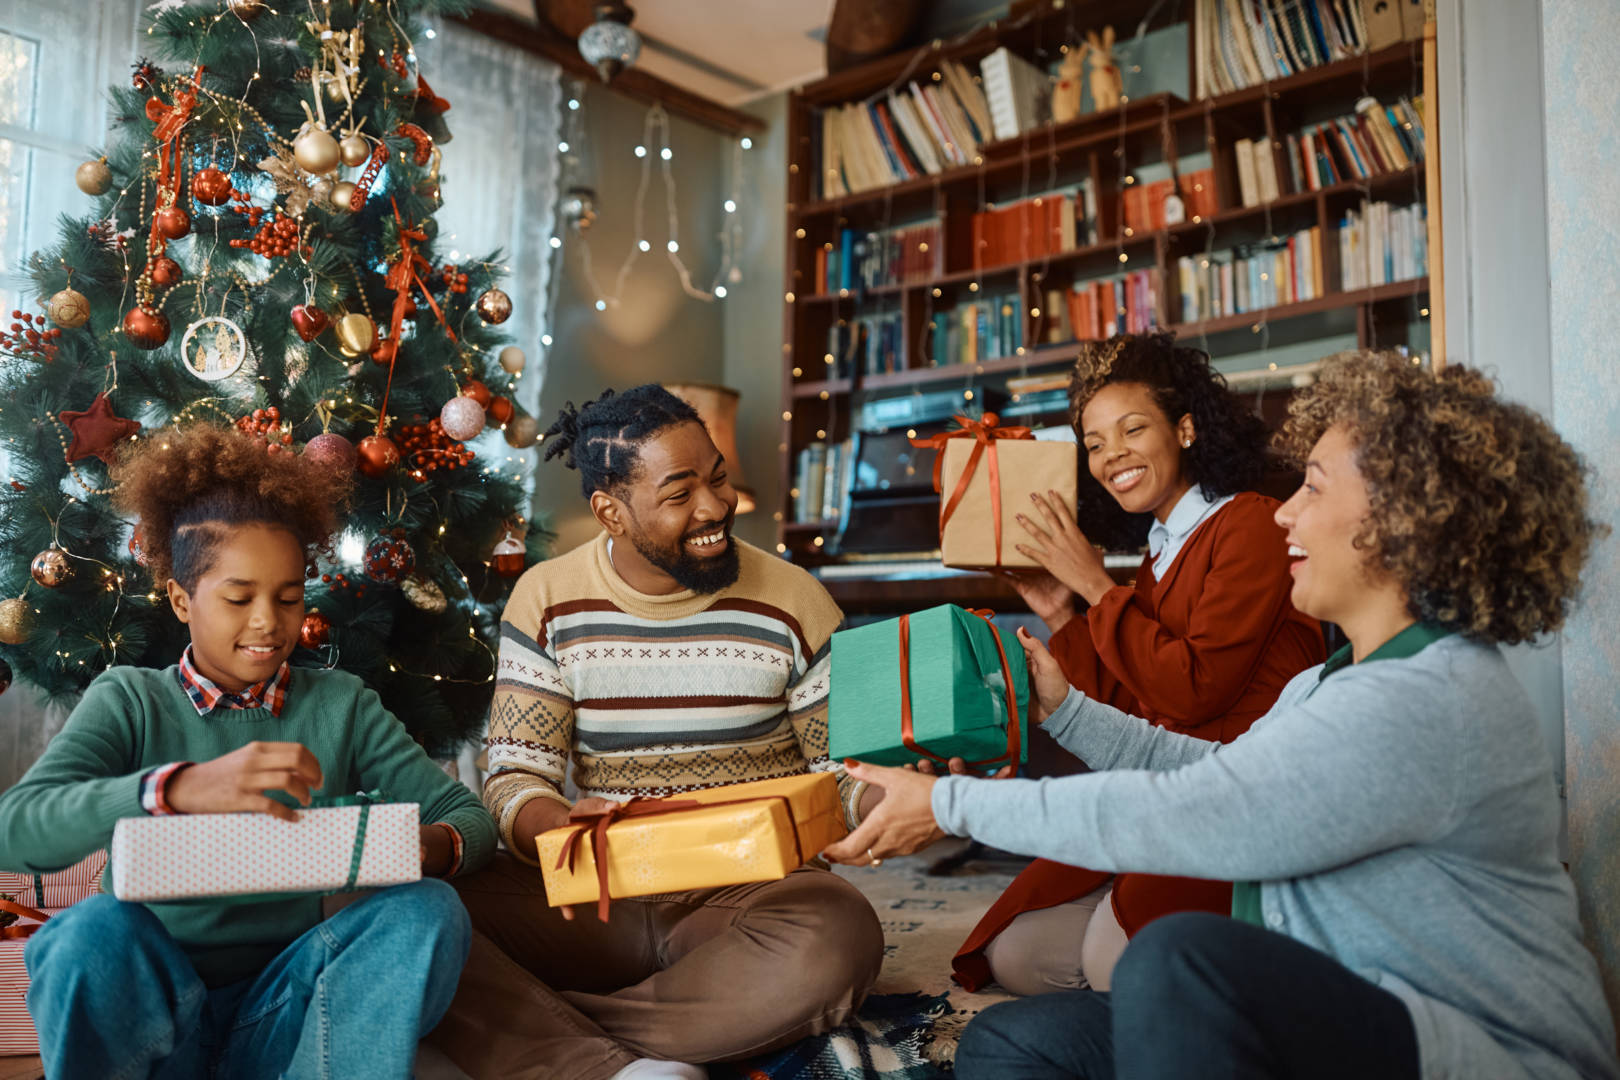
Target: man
[662, 656]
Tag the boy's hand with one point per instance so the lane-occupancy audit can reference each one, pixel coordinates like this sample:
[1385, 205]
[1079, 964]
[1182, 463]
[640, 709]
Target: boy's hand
[239, 780]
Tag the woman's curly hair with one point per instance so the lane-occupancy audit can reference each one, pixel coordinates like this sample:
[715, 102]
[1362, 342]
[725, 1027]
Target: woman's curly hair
[1228, 455]
[191, 484]
[1479, 509]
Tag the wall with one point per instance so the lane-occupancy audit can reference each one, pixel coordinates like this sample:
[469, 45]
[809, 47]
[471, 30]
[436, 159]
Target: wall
[1582, 104]
[657, 332]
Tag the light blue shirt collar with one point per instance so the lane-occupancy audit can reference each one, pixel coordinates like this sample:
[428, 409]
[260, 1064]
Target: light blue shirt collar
[1166, 540]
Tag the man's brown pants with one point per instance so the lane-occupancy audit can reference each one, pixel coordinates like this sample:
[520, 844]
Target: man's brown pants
[708, 975]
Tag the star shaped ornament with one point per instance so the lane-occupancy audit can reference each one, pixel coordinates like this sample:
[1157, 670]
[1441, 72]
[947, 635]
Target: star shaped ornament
[96, 431]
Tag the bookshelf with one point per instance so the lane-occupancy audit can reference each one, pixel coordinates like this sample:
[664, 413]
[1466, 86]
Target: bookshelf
[1165, 133]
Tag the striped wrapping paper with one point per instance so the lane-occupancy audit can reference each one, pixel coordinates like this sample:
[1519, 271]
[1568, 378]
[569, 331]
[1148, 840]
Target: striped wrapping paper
[78, 882]
[193, 855]
[16, 1026]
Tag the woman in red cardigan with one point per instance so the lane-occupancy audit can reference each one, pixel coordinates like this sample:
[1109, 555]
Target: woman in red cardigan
[1202, 644]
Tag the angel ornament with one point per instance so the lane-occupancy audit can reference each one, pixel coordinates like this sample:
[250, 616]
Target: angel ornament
[1107, 84]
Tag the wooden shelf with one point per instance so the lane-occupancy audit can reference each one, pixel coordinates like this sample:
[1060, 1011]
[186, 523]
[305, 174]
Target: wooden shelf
[829, 525]
[801, 391]
[1377, 294]
[1353, 73]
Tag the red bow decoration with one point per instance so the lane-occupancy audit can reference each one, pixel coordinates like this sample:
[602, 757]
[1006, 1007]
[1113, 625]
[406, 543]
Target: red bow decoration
[403, 274]
[429, 98]
[597, 825]
[170, 121]
[984, 432]
[907, 736]
[8, 930]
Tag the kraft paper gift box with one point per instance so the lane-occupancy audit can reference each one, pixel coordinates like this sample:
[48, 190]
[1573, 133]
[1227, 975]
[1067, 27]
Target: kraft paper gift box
[985, 475]
[759, 831]
[17, 1034]
[58, 889]
[330, 848]
[942, 669]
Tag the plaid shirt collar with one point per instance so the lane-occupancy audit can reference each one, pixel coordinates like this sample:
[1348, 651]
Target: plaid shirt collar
[206, 696]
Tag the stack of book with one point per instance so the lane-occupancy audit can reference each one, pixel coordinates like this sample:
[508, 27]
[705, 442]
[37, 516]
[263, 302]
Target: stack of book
[1127, 304]
[867, 260]
[1251, 277]
[913, 131]
[1037, 227]
[820, 478]
[1380, 243]
[978, 330]
[1241, 43]
[1143, 204]
[1376, 139]
[870, 344]
[1019, 93]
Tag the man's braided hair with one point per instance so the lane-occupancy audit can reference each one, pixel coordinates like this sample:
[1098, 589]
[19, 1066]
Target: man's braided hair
[602, 439]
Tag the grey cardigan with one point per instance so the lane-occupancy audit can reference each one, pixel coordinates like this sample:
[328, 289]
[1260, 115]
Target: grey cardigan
[1401, 817]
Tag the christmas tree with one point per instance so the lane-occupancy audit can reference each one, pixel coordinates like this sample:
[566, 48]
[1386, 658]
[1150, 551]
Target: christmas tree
[259, 250]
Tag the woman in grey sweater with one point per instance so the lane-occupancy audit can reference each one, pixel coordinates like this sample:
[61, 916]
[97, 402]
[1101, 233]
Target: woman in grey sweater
[1391, 824]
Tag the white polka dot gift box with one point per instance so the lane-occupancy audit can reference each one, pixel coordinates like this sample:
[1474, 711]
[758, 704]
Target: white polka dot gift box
[330, 848]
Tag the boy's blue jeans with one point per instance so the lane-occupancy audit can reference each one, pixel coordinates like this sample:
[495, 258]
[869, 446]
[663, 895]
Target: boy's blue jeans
[115, 998]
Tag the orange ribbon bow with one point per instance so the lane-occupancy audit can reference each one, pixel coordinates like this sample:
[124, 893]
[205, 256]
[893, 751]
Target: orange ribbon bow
[908, 736]
[10, 931]
[984, 434]
[170, 121]
[404, 273]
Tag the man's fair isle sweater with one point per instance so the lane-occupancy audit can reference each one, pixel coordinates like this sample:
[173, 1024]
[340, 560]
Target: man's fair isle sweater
[656, 695]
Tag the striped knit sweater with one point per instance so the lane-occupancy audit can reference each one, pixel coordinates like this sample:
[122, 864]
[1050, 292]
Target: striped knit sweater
[656, 695]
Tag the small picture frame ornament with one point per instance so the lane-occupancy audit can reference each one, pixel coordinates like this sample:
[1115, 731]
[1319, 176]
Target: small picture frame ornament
[213, 348]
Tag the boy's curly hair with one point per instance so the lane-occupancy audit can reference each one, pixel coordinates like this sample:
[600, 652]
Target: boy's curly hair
[603, 438]
[189, 485]
[1228, 455]
[1479, 509]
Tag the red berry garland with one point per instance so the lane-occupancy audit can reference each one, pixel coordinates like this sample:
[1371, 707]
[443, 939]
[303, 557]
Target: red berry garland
[453, 280]
[29, 339]
[425, 448]
[267, 424]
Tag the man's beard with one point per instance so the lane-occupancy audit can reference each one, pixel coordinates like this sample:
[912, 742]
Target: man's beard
[701, 574]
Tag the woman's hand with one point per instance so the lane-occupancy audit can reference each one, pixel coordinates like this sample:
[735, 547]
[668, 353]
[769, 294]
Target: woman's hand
[1046, 679]
[1044, 594]
[958, 767]
[1062, 550]
[902, 823]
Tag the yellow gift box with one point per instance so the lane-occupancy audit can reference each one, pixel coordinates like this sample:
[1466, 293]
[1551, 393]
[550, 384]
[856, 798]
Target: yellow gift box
[727, 835]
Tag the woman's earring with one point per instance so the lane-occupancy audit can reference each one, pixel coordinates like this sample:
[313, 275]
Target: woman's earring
[1186, 444]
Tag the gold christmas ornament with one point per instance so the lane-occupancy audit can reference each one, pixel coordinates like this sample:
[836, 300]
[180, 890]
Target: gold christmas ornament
[341, 193]
[522, 432]
[16, 619]
[93, 177]
[354, 150]
[246, 10]
[355, 333]
[68, 309]
[512, 359]
[494, 306]
[423, 593]
[332, 87]
[51, 567]
[316, 151]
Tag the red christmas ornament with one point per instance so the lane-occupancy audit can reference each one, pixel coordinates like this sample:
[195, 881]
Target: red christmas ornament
[500, 409]
[165, 272]
[146, 328]
[389, 559]
[96, 430]
[332, 451]
[377, 454]
[477, 391]
[211, 187]
[383, 351]
[136, 551]
[172, 222]
[309, 321]
[315, 630]
[507, 558]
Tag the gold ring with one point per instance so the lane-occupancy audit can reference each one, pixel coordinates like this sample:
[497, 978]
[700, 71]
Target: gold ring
[875, 860]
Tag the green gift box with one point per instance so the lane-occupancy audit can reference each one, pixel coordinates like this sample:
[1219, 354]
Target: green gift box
[957, 680]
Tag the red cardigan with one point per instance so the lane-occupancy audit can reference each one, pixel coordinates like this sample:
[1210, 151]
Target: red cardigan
[1205, 652]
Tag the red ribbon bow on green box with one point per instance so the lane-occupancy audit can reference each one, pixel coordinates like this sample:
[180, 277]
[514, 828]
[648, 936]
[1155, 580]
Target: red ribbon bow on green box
[984, 434]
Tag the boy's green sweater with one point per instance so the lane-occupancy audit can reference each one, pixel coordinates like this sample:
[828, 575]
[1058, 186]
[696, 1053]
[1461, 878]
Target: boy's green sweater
[134, 719]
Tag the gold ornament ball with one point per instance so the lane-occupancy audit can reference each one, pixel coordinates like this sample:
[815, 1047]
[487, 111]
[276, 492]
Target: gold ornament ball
[93, 177]
[316, 151]
[354, 150]
[355, 334]
[332, 86]
[512, 359]
[16, 619]
[522, 432]
[68, 309]
[342, 192]
[246, 10]
[494, 306]
[51, 567]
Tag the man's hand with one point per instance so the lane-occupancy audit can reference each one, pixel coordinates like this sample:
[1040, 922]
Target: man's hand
[901, 823]
[438, 850]
[537, 816]
[1046, 679]
[239, 780]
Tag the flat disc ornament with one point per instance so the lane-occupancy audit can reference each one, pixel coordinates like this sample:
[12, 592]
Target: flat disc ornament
[214, 348]
[424, 593]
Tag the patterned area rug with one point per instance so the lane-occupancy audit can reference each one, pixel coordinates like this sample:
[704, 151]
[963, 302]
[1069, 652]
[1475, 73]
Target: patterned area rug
[909, 1026]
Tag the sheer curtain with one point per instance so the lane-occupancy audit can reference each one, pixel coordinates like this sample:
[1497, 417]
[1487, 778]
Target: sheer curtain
[499, 179]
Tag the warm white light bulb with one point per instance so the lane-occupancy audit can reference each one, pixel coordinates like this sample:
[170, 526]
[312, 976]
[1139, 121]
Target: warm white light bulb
[641, 151]
[573, 104]
[665, 154]
[731, 206]
[720, 291]
[747, 143]
[556, 241]
[562, 147]
[674, 247]
[644, 246]
[601, 305]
